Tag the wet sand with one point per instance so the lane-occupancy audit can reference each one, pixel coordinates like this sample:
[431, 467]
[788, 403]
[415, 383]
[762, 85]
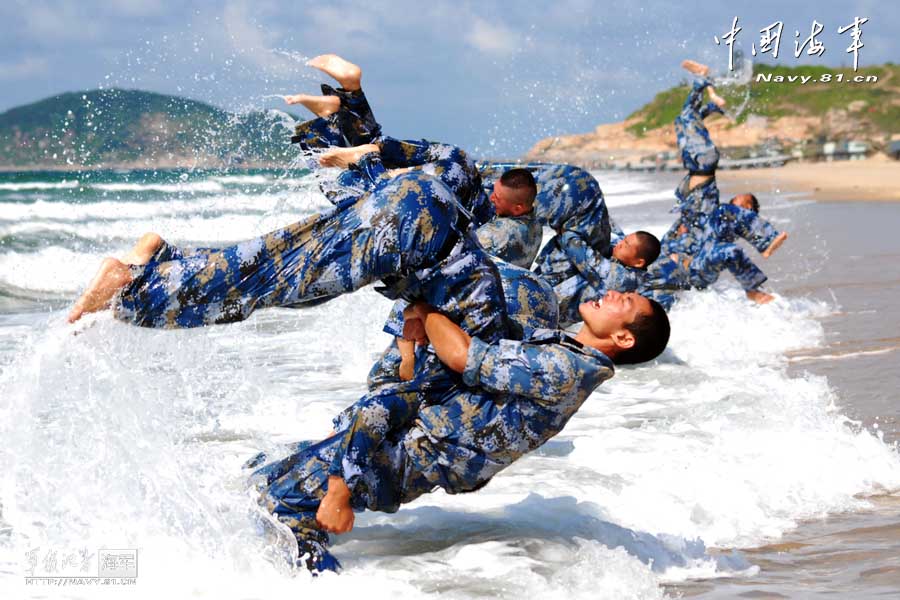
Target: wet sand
[872, 179]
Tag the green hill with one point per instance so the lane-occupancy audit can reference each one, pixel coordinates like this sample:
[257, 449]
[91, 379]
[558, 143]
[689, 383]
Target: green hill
[874, 104]
[118, 127]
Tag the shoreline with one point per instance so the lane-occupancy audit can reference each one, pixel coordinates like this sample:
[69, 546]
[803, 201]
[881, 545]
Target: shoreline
[870, 180]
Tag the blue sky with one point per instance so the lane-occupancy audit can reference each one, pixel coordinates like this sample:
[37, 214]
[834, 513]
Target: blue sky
[493, 77]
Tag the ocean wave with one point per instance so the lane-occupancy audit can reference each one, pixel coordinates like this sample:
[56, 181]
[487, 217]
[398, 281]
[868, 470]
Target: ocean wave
[39, 185]
[112, 210]
[190, 187]
[243, 179]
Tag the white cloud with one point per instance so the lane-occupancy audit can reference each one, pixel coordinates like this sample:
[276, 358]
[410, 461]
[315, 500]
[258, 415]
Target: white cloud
[61, 23]
[494, 39]
[254, 43]
[27, 67]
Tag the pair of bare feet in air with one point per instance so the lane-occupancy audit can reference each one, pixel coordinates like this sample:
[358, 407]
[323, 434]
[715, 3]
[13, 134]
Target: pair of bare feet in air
[349, 76]
[702, 70]
[343, 71]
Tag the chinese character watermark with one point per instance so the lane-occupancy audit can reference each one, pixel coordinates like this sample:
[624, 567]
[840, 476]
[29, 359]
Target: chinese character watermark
[53, 566]
[816, 47]
[770, 40]
[729, 38]
[856, 34]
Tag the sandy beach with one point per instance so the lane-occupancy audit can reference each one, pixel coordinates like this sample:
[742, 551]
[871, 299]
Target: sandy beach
[873, 179]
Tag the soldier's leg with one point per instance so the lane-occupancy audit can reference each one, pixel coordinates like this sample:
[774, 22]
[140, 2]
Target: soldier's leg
[451, 164]
[348, 118]
[698, 153]
[407, 224]
[291, 489]
[715, 258]
[666, 277]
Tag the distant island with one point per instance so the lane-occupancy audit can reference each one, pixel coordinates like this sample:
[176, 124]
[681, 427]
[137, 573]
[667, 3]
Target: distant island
[125, 129]
[780, 115]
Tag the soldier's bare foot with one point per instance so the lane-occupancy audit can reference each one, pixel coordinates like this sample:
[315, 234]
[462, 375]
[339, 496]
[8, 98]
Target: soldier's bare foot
[776, 243]
[760, 297]
[321, 106]
[344, 157]
[143, 250]
[716, 99]
[111, 277]
[696, 68]
[344, 72]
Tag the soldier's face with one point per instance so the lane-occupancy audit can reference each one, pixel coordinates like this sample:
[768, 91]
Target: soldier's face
[626, 251]
[507, 201]
[613, 313]
[743, 201]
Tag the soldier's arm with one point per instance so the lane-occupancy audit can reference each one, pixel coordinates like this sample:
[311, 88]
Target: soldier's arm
[546, 372]
[750, 226]
[493, 237]
[589, 263]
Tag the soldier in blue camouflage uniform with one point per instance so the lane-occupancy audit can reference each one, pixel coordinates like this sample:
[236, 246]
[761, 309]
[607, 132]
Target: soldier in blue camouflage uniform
[515, 232]
[507, 230]
[589, 254]
[405, 232]
[697, 193]
[714, 250]
[394, 446]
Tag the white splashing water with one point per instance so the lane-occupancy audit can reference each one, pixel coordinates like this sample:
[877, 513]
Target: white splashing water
[119, 437]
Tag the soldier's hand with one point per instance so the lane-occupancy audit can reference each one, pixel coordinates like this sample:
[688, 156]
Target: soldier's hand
[414, 331]
[334, 514]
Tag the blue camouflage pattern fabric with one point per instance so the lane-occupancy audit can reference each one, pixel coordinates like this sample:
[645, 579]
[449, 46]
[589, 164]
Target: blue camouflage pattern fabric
[577, 260]
[725, 223]
[699, 156]
[694, 204]
[513, 239]
[515, 395]
[450, 164]
[667, 277]
[712, 259]
[575, 290]
[530, 305]
[698, 152]
[402, 233]
[353, 124]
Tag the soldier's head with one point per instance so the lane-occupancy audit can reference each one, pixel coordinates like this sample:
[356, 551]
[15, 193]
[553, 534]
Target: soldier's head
[746, 201]
[628, 328]
[514, 193]
[638, 249]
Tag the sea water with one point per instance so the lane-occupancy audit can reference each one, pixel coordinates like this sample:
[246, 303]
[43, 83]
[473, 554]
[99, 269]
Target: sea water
[753, 429]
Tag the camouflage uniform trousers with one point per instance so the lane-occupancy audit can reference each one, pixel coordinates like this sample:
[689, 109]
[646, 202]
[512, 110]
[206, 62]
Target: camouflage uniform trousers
[666, 277]
[512, 398]
[725, 223]
[354, 124]
[698, 152]
[399, 233]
